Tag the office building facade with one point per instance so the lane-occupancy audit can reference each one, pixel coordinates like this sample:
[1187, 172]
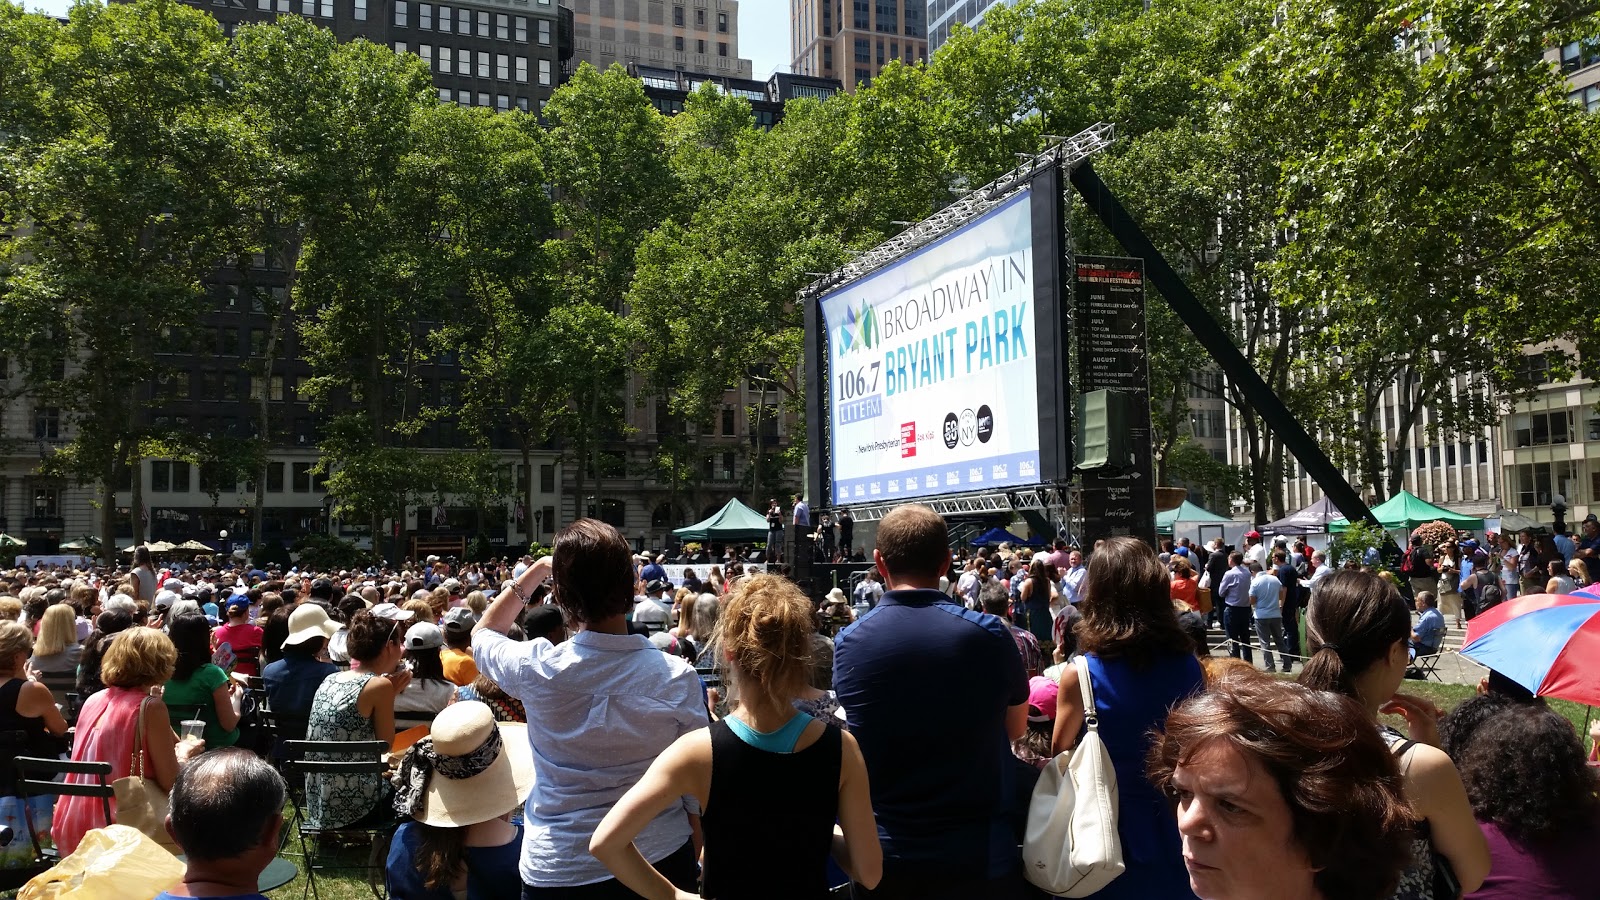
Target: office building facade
[696, 36]
[853, 42]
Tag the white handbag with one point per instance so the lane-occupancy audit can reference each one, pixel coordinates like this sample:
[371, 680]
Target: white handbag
[1071, 848]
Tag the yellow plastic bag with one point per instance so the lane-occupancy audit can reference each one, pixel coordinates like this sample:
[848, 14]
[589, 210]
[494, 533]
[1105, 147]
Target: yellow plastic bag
[111, 863]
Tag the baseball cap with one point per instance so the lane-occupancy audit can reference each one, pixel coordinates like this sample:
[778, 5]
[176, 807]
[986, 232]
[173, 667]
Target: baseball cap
[424, 636]
[1042, 699]
[459, 619]
[390, 611]
[541, 620]
[238, 601]
[165, 599]
[452, 585]
[1182, 551]
[1253, 534]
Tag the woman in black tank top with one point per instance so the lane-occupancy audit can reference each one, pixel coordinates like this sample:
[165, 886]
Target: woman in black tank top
[771, 781]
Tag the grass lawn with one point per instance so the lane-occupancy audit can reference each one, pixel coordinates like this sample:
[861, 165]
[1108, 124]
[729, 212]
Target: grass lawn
[1446, 696]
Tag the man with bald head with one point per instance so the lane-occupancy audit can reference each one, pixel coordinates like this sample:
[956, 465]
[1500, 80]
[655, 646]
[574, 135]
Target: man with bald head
[226, 812]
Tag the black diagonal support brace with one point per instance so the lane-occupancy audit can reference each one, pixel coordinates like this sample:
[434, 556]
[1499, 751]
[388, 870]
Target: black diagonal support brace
[1217, 342]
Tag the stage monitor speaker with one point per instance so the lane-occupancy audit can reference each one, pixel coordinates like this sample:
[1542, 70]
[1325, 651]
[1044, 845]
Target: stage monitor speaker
[1104, 419]
[755, 556]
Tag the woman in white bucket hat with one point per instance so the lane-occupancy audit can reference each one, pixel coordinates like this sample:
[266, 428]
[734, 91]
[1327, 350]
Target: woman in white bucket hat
[459, 787]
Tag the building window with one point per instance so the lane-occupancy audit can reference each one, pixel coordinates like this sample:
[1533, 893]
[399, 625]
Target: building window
[1533, 485]
[274, 477]
[483, 98]
[547, 478]
[483, 65]
[445, 60]
[722, 48]
[727, 421]
[547, 522]
[677, 16]
[502, 102]
[519, 29]
[522, 70]
[677, 43]
[699, 17]
[522, 103]
[308, 8]
[727, 466]
[722, 22]
[445, 19]
[425, 16]
[463, 98]
[502, 27]
[544, 32]
[544, 73]
[401, 13]
[426, 52]
[47, 423]
[302, 478]
[399, 46]
[1541, 429]
[463, 62]
[502, 67]
[483, 24]
[700, 47]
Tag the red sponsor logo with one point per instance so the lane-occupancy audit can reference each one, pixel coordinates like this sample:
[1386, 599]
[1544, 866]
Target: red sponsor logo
[908, 440]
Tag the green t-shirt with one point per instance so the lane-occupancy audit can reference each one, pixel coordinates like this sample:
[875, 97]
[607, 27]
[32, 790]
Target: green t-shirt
[183, 698]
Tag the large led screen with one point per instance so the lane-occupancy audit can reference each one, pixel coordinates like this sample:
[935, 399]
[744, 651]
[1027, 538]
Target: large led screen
[933, 365]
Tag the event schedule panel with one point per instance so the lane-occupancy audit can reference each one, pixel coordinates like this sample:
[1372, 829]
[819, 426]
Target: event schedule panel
[933, 367]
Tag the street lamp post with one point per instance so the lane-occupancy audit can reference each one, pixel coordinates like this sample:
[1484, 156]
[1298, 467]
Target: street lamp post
[1558, 508]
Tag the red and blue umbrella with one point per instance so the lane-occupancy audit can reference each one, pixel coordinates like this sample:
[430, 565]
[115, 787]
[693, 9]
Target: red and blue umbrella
[1548, 643]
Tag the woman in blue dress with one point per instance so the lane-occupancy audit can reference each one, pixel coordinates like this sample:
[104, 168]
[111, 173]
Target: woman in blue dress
[1142, 665]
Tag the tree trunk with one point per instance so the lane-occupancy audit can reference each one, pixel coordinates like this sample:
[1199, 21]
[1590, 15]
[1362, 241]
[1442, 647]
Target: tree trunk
[136, 502]
[108, 513]
[594, 455]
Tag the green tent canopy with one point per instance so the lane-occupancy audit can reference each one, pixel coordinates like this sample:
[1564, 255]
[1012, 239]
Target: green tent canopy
[1407, 510]
[734, 522]
[1189, 514]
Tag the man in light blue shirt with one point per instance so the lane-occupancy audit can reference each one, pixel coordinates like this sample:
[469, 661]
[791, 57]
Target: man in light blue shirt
[601, 707]
[1235, 593]
[1267, 594]
[1428, 636]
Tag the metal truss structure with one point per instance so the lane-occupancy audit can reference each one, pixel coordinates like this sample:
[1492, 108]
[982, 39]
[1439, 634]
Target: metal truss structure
[1064, 152]
[1043, 498]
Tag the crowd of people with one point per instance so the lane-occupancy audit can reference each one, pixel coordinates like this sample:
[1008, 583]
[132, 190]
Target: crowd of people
[582, 727]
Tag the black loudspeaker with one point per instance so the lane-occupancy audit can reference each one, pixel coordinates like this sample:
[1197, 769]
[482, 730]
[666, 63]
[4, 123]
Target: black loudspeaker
[755, 556]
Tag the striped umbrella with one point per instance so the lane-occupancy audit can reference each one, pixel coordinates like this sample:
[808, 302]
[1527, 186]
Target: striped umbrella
[1548, 643]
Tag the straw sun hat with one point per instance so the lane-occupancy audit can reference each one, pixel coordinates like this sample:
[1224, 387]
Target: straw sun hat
[469, 770]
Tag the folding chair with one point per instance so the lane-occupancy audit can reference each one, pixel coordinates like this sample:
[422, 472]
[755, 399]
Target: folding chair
[36, 778]
[339, 758]
[1424, 667]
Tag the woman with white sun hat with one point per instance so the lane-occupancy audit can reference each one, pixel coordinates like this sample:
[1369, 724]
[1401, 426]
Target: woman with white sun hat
[459, 788]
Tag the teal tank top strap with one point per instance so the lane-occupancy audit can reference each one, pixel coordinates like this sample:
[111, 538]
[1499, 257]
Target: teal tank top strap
[780, 741]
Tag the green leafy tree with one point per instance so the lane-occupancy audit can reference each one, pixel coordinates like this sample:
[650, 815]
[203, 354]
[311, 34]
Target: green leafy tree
[612, 184]
[371, 286]
[120, 171]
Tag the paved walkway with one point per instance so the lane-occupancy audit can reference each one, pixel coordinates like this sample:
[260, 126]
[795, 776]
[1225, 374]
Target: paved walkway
[1453, 668]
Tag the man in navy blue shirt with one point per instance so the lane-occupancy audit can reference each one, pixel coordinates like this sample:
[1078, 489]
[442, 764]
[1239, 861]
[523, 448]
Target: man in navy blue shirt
[934, 694]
